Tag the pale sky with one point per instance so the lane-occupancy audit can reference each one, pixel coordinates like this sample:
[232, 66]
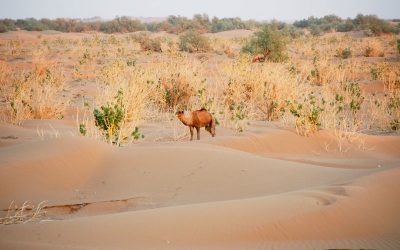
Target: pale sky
[285, 10]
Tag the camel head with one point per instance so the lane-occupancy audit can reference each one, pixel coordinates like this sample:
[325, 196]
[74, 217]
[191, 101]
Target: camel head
[179, 113]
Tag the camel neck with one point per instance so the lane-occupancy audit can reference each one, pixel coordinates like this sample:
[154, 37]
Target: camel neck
[185, 120]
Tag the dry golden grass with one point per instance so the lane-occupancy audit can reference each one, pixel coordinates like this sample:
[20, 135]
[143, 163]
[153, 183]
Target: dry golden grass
[225, 82]
[32, 94]
[25, 213]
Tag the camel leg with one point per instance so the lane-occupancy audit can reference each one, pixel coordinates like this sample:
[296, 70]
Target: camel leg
[208, 128]
[198, 133]
[191, 133]
[212, 131]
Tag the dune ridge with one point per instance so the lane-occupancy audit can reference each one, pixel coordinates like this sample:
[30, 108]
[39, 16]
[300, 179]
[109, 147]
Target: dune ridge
[247, 192]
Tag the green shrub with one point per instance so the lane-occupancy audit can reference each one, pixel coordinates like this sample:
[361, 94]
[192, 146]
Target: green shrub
[346, 26]
[344, 53]
[398, 45]
[191, 41]
[347, 104]
[130, 62]
[393, 107]
[372, 24]
[82, 129]
[315, 30]
[307, 113]
[354, 91]
[136, 135]
[218, 25]
[375, 73]
[109, 118]
[3, 28]
[268, 42]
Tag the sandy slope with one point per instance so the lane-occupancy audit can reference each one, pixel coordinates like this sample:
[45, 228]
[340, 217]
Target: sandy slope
[267, 189]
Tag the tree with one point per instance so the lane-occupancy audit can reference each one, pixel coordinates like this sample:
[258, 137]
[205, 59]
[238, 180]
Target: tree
[268, 42]
[192, 41]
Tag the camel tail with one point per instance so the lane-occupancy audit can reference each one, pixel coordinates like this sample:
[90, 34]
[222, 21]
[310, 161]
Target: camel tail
[212, 127]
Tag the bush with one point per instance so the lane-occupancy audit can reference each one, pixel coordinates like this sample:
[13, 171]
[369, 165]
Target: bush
[224, 24]
[268, 42]
[398, 45]
[373, 24]
[346, 26]
[191, 41]
[109, 118]
[147, 43]
[344, 53]
[176, 91]
[307, 113]
[117, 119]
[375, 73]
[369, 51]
[34, 94]
[315, 30]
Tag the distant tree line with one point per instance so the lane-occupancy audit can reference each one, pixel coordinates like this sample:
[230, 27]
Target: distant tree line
[369, 23]
[200, 23]
[173, 24]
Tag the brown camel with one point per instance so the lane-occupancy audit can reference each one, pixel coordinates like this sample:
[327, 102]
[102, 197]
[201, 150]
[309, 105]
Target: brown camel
[258, 58]
[199, 118]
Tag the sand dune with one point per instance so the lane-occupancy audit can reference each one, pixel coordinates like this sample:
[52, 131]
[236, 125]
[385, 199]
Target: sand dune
[267, 189]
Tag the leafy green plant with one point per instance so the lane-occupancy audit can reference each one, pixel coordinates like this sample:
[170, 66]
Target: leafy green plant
[375, 73]
[136, 135]
[354, 90]
[347, 104]
[239, 115]
[393, 108]
[307, 114]
[82, 129]
[130, 62]
[108, 118]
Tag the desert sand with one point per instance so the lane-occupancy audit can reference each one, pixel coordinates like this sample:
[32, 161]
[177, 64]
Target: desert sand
[266, 189]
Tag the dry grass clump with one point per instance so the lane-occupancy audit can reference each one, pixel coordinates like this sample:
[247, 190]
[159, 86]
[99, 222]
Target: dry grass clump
[35, 93]
[389, 74]
[255, 91]
[177, 81]
[123, 97]
[224, 46]
[176, 90]
[372, 48]
[384, 111]
[147, 43]
[28, 212]
[14, 49]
